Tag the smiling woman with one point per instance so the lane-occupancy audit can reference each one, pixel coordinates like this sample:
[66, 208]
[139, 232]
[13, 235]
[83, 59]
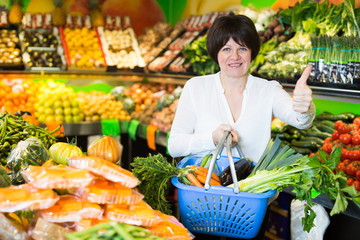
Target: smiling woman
[234, 100]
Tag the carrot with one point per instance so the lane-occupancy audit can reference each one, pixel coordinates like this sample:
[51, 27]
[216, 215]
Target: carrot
[194, 180]
[204, 171]
[202, 179]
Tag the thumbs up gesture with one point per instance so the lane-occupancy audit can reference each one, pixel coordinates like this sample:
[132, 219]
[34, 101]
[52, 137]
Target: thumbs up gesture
[302, 96]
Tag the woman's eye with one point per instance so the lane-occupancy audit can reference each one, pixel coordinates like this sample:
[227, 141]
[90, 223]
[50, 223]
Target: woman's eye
[226, 49]
[243, 49]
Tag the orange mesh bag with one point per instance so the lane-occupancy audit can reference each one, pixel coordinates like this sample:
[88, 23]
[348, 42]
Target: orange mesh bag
[105, 192]
[71, 209]
[59, 177]
[140, 214]
[105, 169]
[26, 197]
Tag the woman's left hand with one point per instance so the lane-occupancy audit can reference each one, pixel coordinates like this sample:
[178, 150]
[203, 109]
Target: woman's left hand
[302, 96]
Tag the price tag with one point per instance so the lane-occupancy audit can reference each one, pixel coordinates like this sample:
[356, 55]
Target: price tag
[150, 136]
[110, 127]
[133, 126]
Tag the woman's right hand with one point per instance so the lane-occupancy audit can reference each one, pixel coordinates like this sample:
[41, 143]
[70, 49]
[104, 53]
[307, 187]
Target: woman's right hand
[219, 132]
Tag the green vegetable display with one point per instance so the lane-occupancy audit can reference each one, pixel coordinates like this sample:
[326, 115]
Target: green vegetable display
[279, 169]
[113, 230]
[324, 18]
[198, 58]
[14, 129]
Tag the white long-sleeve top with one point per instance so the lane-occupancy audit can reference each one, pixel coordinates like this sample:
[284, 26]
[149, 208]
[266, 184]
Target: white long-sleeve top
[203, 107]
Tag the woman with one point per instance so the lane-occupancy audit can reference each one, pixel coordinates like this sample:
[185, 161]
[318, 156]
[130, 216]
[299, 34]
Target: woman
[234, 100]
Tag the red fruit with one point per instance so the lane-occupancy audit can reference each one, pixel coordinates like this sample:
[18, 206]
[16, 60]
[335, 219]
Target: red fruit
[349, 181]
[357, 121]
[351, 170]
[356, 184]
[335, 135]
[344, 153]
[345, 138]
[337, 124]
[343, 128]
[355, 139]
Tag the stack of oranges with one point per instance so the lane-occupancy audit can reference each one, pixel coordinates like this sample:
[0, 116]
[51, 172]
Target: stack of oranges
[17, 95]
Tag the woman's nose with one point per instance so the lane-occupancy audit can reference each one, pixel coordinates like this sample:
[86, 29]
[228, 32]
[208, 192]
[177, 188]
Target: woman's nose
[235, 54]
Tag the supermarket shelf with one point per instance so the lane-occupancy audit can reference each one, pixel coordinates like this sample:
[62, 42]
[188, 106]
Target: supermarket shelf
[336, 94]
[94, 128]
[78, 77]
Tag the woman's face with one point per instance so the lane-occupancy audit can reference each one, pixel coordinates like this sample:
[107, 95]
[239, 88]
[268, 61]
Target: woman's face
[234, 59]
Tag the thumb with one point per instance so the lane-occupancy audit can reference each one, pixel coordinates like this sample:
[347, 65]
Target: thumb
[304, 77]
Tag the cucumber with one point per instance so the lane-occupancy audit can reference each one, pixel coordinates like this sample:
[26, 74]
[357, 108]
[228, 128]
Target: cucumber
[315, 139]
[303, 151]
[312, 145]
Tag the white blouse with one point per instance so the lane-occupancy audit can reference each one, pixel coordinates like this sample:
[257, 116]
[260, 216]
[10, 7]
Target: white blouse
[203, 107]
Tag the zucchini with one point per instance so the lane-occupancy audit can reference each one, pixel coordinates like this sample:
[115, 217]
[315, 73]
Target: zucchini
[315, 139]
[282, 136]
[312, 145]
[332, 117]
[324, 128]
[350, 116]
[328, 123]
[301, 150]
[321, 135]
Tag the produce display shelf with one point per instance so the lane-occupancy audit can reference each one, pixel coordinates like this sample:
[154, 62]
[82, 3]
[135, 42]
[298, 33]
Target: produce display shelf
[76, 76]
[94, 128]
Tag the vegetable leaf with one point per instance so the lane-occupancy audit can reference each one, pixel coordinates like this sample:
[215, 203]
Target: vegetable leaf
[154, 172]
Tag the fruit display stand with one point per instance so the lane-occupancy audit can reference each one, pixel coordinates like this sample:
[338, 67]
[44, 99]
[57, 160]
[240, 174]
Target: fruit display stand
[120, 45]
[83, 50]
[10, 50]
[42, 50]
[41, 46]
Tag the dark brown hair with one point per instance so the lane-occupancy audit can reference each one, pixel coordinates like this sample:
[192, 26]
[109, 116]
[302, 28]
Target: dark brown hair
[238, 27]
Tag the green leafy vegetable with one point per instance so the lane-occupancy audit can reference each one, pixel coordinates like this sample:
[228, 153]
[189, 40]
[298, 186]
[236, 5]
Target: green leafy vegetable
[198, 58]
[4, 178]
[304, 175]
[154, 172]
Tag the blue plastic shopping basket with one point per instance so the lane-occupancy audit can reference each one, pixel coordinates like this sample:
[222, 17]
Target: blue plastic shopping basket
[219, 210]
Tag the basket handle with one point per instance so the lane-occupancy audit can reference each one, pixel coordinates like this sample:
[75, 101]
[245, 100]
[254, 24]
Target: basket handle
[228, 138]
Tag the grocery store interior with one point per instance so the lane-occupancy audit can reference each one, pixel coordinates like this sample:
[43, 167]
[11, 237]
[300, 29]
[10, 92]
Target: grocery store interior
[101, 79]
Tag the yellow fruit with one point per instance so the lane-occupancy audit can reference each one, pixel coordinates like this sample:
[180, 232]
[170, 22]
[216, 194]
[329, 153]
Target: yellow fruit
[58, 17]
[15, 13]
[97, 18]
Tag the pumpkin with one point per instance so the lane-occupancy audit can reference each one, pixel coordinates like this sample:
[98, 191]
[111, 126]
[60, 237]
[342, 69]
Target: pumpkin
[107, 148]
[60, 151]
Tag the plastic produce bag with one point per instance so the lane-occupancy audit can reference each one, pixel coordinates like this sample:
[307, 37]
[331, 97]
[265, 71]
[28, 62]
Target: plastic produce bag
[28, 152]
[321, 222]
[8, 231]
